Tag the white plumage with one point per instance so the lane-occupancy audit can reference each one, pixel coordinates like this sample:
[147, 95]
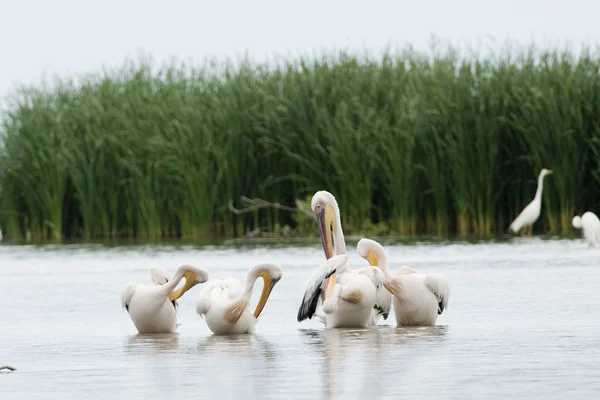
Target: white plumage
[152, 306]
[352, 299]
[383, 298]
[531, 212]
[327, 214]
[225, 303]
[418, 298]
[590, 224]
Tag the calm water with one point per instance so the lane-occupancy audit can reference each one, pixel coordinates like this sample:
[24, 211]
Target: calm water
[523, 320]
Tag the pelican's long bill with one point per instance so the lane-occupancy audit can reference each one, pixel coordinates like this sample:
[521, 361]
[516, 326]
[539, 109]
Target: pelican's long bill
[325, 222]
[190, 281]
[372, 258]
[269, 284]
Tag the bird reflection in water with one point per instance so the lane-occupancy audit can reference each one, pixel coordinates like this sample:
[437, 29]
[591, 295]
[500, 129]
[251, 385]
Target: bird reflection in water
[358, 362]
[148, 354]
[252, 357]
[244, 346]
[152, 343]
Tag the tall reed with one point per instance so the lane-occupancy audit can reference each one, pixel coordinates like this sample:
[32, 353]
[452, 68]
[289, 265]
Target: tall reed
[432, 143]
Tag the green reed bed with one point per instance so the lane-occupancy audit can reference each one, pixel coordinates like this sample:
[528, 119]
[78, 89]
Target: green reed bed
[409, 143]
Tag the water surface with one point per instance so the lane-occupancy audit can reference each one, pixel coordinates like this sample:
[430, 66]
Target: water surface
[523, 320]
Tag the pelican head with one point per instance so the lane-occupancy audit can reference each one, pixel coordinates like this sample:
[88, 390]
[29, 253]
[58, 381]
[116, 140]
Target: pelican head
[192, 275]
[326, 211]
[577, 222]
[271, 274]
[370, 250]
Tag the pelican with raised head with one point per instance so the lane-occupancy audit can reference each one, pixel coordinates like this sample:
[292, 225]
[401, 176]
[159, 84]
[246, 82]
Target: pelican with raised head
[590, 224]
[531, 212]
[349, 298]
[152, 307]
[225, 303]
[418, 298]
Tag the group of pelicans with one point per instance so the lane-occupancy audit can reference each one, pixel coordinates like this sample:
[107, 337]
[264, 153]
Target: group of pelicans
[335, 294]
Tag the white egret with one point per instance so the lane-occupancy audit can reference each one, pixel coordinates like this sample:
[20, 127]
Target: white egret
[418, 298]
[531, 212]
[590, 224]
[225, 303]
[152, 306]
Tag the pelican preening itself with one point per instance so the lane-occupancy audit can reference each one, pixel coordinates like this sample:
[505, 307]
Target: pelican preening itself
[152, 306]
[349, 298]
[160, 277]
[590, 224]
[531, 212]
[225, 304]
[418, 298]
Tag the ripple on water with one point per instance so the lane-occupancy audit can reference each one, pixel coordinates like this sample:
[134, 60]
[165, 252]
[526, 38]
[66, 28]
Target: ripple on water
[522, 320]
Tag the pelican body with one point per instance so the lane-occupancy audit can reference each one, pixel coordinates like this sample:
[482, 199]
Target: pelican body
[225, 303]
[349, 298]
[352, 298]
[152, 307]
[418, 298]
[531, 212]
[590, 224]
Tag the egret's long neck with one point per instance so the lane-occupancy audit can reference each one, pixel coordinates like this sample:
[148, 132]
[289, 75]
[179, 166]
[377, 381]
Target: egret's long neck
[338, 234]
[540, 187]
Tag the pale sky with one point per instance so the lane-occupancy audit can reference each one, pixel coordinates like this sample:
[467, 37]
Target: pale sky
[46, 37]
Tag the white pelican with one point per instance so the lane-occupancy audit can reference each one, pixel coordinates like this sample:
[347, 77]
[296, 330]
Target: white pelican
[590, 224]
[531, 213]
[225, 304]
[327, 214]
[352, 297]
[418, 298]
[152, 306]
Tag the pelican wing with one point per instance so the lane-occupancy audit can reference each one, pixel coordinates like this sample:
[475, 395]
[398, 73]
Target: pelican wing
[127, 294]
[203, 303]
[383, 302]
[438, 285]
[383, 298]
[314, 286]
[405, 270]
